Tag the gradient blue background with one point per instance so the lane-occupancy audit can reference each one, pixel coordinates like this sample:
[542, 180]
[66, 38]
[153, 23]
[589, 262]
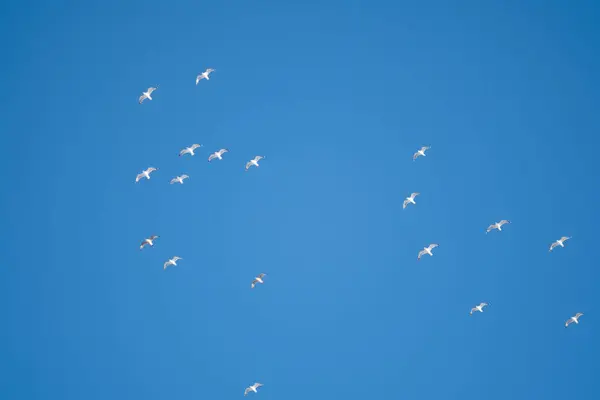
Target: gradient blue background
[338, 95]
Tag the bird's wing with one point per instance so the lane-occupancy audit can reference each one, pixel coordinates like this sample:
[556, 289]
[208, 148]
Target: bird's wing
[405, 203]
[246, 391]
[248, 165]
[564, 238]
[223, 151]
[413, 195]
[138, 177]
[482, 305]
[166, 264]
[198, 78]
[257, 385]
[424, 148]
[195, 146]
[150, 90]
[184, 151]
[153, 237]
[415, 155]
[144, 243]
[421, 253]
[504, 221]
[433, 246]
[261, 275]
[569, 321]
[258, 158]
[174, 180]
[211, 157]
[578, 315]
[492, 226]
[553, 245]
[151, 169]
[141, 99]
[184, 177]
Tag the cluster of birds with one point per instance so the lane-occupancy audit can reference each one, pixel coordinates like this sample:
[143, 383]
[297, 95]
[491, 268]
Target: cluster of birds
[254, 162]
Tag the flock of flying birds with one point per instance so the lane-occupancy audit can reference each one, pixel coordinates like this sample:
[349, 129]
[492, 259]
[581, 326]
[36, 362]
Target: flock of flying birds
[254, 162]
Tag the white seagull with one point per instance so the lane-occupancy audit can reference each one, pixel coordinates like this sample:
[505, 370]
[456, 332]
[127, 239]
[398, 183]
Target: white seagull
[410, 199]
[478, 308]
[147, 94]
[204, 75]
[421, 152]
[427, 250]
[172, 261]
[179, 179]
[573, 319]
[254, 162]
[258, 279]
[497, 225]
[217, 154]
[145, 174]
[560, 242]
[189, 150]
[252, 388]
[149, 241]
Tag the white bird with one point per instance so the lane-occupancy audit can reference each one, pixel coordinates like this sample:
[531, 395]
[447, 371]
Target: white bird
[145, 174]
[252, 388]
[254, 162]
[147, 94]
[410, 199]
[217, 154]
[204, 75]
[149, 241]
[427, 250]
[421, 152]
[179, 179]
[573, 319]
[189, 150]
[560, 242]
[478, 308]
[497, 225]
[258, 279]
[172, 261]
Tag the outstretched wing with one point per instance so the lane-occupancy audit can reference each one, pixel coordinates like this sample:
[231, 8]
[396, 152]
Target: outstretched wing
[421, 254]
[433, 246]
[153, 237]
[405, 203]
[143, 244]
[578, 315]
[553, 245]
[195, 146]
[223, 151]
[564, 238]
[198, 78]
[142, 98]
[425, 148]
[173, 180]
[246, 391]
[248, 165]
[492, 226]
[415, 156]
[184, 151]
[212, 157]
[184, 177]
[138, 177]
[413, 195]
[258, 158]
[151, 89]
[504, 221]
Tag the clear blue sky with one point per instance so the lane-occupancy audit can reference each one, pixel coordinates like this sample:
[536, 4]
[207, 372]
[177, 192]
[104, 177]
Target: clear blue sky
[338, 95]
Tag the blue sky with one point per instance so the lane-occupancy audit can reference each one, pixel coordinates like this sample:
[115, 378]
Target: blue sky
[338, 95]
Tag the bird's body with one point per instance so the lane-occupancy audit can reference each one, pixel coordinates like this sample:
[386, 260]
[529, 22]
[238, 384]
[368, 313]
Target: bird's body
[204, 75]
[217, 154]
[172, 261]
[254, 162]
[149, 241]
[145, 174]
[573, 319]
[252, 388]
[189, 150]
[258, 279]
[179, 179]
[421, 152]
[560, 242]
[497, 225]
[427, 250]
[410, 200]
[478, 308]
[147, 94]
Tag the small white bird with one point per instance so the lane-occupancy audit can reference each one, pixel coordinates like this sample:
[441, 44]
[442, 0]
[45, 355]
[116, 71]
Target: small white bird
[573, 319]
[179, 179]
[410, 199]
[421, 152]
[258, 279]
[204, 75]
[254, 162]
[497, 225]
[252, 388]
[478, 308]
[427, 250]
[560, 242]
[172, 261]
[149, 241]
[147, 94]
[189, 150]
[217, 154]
[145, 174]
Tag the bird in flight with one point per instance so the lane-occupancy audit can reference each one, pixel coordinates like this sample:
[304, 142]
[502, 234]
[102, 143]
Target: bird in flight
[421, 152]
[252, 388]
[573, 319]
[204, 75]
[497, 225]
[478, 308]
[410, 199]
[427, 250]
[149, 241]
[179, 179]
[258, 279]
[147, 94]
[145, 174]
[560, 242]
[254, 162]
[189, 150]
[217, 154]
[172, 261]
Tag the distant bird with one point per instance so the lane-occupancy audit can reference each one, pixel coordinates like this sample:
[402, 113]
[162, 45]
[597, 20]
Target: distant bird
[179, 179]
[497, 225]
[573, 319]
[478, 308]
[149, 241]
[427, 250]
[252, 388]
[560, 242]
[204, 75]
[217, 154]
[410, 199]
[254, 162]
[147, 94]
[421, 152]
[172, 261]
[258, 279]
[145, 174]
[189, 150]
